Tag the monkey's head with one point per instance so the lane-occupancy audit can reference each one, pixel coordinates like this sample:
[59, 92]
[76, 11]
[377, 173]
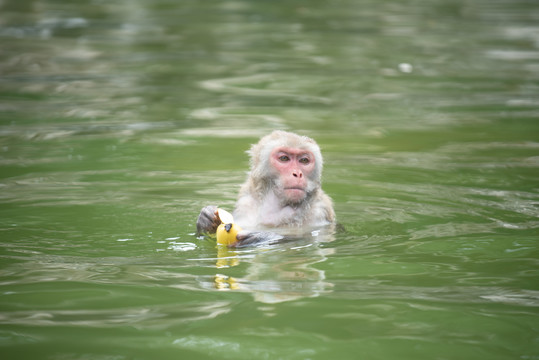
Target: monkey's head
[289, 164]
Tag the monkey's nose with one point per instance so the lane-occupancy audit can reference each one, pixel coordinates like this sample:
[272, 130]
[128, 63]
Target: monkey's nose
[297, 174]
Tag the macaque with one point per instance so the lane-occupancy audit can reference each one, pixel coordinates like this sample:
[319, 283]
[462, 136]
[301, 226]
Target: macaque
[282, 192]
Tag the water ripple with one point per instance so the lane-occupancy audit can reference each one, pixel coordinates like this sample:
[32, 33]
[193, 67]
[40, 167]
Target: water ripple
[261, 85]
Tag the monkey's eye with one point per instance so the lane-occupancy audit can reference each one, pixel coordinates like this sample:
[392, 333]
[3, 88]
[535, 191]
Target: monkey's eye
[305, 160]
[284, 158]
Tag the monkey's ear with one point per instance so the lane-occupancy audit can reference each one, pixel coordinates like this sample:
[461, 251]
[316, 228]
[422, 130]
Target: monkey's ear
[256, 160]
[253, 159]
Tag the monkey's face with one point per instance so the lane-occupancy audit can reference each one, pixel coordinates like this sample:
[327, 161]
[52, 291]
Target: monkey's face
[293, 168]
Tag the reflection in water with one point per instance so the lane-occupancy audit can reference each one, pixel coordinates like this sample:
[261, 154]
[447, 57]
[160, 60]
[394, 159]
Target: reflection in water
[280, 272]
[223, 282]
[226, 257]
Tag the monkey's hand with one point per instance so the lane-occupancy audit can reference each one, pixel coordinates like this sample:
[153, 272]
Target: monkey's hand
[248, 238]
[208, 220]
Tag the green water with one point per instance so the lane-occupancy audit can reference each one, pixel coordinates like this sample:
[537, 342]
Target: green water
[119, 120]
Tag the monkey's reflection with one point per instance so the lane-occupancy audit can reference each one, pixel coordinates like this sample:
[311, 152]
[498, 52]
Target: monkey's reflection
[277, 273]
[226, 257]
[223, 282]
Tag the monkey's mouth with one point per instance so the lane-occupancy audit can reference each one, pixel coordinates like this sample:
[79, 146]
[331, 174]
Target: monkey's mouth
[294, 188]
[295, 194]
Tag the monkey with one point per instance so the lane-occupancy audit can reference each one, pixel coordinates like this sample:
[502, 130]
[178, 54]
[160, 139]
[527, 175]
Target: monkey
[282, 192]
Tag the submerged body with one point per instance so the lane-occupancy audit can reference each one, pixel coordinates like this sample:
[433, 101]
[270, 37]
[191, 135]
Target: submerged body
[283, 190]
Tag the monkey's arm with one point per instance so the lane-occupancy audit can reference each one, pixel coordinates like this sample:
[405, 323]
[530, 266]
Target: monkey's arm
[208, 220]
[248, 238]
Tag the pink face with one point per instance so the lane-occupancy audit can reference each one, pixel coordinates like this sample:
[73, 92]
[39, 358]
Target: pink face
[294, 166]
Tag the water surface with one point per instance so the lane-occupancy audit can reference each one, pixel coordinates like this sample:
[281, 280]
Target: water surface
[120, 120]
